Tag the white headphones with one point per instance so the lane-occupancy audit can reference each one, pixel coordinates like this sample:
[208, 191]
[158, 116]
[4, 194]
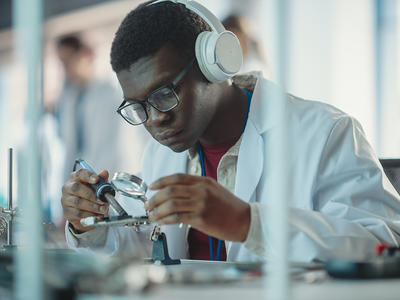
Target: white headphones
[218, 52]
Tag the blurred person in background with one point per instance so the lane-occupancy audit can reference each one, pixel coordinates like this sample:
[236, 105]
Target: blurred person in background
[87, 124]
[253, 57]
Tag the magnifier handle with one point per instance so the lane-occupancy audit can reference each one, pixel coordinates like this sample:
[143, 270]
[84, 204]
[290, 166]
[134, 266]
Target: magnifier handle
[101, 187]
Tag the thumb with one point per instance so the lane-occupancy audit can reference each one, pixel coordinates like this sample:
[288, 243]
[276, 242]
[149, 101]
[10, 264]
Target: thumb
[104, 174]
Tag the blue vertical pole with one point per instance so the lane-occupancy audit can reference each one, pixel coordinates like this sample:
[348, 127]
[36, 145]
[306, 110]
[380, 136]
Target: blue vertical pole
[28, 30]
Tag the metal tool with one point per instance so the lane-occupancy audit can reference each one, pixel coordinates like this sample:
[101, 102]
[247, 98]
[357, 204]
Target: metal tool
[115, 221]
[8, 214]
[133, 187]
[125, 184]
[104, 191]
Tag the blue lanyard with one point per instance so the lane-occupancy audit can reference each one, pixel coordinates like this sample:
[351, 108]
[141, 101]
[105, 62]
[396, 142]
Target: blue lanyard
[210, 241]
[203, 173]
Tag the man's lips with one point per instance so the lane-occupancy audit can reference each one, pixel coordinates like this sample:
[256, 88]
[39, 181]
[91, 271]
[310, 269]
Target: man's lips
[167, 135]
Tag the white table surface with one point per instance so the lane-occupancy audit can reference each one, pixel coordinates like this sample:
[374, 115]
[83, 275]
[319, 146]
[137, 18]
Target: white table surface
[332, 289]
[328, 289]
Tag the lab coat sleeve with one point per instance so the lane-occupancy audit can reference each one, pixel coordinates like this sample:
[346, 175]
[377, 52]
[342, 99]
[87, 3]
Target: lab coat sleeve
[95, 238]
[112, 240]
[354, 205]
[115, 240]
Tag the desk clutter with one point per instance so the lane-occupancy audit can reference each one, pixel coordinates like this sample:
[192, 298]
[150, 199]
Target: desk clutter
[385, 265]
[71, 272]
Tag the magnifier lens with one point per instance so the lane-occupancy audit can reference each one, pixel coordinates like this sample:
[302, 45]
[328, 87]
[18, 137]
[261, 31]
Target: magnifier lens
[129, 185]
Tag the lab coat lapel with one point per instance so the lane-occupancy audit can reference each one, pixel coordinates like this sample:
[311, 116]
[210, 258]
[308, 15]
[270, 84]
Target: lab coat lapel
[250, 163]
[249, 170]
[250, 159]
[252, 149]
[262, 118]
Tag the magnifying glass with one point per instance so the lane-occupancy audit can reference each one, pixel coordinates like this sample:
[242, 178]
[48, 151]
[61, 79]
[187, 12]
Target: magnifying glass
[129, 185]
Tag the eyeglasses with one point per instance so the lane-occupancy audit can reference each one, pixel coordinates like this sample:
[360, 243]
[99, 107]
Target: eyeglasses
[162, 99]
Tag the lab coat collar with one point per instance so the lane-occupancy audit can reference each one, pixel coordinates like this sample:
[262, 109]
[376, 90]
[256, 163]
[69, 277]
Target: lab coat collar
[249, 164]
[262, 113]
[263, 110]
[262, 117]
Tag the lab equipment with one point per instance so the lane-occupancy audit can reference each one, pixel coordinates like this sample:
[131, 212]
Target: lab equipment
[8, 215]
[115, 221]
[160, 248]
[385, 265]
[123, 183]
[104, 191]
[129, 185]
[384, 249]
[133, 187]
[392, 171]
[380, 267]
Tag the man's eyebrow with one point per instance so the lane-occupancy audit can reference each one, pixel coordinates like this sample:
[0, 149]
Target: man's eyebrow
[165, 79]
[160, 83]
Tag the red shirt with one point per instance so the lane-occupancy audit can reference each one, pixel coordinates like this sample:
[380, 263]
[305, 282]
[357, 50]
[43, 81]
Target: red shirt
[199, 242]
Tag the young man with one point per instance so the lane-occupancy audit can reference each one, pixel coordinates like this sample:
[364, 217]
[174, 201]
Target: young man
[341, 204]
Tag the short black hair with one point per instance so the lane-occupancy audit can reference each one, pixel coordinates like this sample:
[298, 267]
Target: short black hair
[71, 41]
[149, 27]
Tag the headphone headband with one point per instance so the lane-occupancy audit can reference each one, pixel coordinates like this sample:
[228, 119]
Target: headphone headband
[200, 10]
[218, 52]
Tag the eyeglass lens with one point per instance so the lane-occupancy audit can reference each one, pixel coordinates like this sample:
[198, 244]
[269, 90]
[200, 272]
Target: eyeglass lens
[163, 100]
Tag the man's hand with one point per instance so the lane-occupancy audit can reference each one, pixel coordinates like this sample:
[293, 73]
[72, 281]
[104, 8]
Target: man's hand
[202, 203]
[79, 199]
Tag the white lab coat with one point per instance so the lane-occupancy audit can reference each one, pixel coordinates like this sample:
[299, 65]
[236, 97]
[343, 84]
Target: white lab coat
[341, 203]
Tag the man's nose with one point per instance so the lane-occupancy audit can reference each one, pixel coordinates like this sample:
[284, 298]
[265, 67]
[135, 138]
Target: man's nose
[156, 117]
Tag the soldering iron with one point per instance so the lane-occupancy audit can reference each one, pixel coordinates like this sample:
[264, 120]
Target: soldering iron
[104, 191]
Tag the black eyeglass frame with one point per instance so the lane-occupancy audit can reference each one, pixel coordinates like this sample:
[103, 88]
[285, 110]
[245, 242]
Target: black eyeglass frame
[126, 103]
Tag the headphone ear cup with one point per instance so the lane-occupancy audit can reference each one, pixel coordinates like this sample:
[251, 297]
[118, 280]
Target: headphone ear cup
[228, 53]
[204, 53]
[219, 55]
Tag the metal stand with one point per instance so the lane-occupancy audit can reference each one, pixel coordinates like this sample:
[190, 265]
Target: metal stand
[10, 198]
[9, 213]
[160, 251]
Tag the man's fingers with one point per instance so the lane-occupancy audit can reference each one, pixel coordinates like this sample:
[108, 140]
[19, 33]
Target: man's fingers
[170, 192]
[173, 206]
[82, 204]
[174, 179]
[79, 228]
[74, 214]
[84, 175]
[177, 218]
[80, 190]
[104, 174]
